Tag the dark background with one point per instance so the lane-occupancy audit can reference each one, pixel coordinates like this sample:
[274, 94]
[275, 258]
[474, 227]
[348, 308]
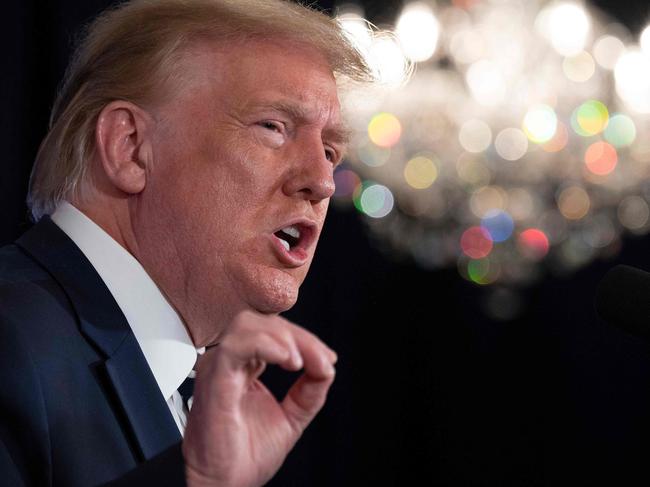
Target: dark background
[429, 391]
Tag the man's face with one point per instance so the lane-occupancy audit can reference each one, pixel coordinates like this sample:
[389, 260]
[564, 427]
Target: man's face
[242, 173]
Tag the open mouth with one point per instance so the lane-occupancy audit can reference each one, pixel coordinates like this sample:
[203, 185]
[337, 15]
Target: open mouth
[290, 236]
[293, 242]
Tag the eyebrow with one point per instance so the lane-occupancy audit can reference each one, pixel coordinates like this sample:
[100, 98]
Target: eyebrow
[338, 133]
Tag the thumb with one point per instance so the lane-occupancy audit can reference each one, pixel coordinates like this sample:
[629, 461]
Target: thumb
[305, 398]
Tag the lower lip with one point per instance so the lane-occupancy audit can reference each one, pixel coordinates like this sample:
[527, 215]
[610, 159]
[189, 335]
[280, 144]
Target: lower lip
[295, 257]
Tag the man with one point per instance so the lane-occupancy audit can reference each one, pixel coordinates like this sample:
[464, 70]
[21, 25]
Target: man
[179, 196]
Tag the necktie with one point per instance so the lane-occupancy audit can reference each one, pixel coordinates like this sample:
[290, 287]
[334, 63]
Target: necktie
[186, 390]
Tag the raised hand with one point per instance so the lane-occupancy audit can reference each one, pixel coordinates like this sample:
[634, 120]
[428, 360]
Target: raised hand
[238, 434]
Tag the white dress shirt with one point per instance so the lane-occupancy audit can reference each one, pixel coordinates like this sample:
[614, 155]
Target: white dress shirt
[159, 330]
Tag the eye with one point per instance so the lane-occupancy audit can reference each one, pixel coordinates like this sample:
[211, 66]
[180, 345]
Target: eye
[273, 126]
[331, 155]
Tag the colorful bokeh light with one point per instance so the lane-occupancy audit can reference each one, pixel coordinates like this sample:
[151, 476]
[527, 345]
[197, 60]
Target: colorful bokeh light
[533, 244]
[486, 199]
[420, 172]
[573, 202]
[476, 243]
[591, 117]
[498, 224]
[621, 131]
[385, 129]
[483, 271]
[540, 124]
[601, 158]
[376, 200]
[514, 100]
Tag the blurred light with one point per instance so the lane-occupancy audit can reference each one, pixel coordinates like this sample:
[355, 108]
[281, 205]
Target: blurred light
[601, 158]
[358, 191]
[592, 117]
[486, 199]
[478, 269]
[476, 243]
[620, 131]
[486, 83]
[384, 130]
[533, 243]
[566, 25]
[345, 182]
[420, 172]
[554, 225]
[575, 252]
[417, 30]
[632, 74]
[387, 60]
[644, 40]
[598, 232]
[573, 202]
[356, 29]
[559, 140]
[373, 155]
[540, 124]
[483, 271]
[520, 203]
[466, 46]
[472, 171]
[498, 94]
[376, 201]
[607, 50]
[498, 224]
[576, 126]
[633, 212]
[465, 4]
[511, 144]
[475, 136]
[579, 68]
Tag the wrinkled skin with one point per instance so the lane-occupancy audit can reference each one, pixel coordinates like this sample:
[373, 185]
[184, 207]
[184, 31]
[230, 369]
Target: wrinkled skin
[194, 187]
[232, 166]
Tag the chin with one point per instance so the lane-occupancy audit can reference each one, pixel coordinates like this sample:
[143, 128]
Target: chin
[272, 292]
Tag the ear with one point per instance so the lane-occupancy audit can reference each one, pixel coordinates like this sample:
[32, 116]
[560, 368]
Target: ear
[122, 141]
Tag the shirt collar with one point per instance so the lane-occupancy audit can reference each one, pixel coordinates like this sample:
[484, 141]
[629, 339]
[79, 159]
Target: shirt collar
[160, 332]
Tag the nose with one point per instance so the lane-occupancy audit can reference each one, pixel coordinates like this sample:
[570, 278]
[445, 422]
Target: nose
[311, 176]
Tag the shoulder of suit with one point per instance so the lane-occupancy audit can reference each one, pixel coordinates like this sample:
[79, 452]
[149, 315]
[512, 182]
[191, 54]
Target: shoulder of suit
[32, 303]
[16, 266]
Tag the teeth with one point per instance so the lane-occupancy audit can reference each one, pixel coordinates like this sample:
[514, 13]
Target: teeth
[292, 230]
[285, 243]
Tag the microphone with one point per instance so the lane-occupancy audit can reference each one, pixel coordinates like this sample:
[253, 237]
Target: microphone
[623, 300]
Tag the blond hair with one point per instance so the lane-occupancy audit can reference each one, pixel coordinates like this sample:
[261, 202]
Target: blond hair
[129, 53]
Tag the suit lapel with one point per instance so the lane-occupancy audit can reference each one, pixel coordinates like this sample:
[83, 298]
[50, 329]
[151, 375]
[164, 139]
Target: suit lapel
[102, 323]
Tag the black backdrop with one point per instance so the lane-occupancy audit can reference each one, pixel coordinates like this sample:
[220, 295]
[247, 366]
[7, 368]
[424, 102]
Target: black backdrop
[429, 391]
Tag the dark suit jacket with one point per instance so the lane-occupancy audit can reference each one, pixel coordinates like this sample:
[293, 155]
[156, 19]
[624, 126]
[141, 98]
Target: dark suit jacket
[79, 405]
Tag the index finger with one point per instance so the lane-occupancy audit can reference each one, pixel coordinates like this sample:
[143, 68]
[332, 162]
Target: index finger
[318, 358]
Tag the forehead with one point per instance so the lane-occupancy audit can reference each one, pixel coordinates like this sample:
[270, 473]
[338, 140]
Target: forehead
[255, 73]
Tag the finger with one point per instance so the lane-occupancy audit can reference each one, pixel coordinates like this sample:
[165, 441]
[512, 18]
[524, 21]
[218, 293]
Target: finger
[249, 323]
[281, 330]
[255, 368]
[307, 335]
[304, 399]
[246, 351]
[318, 358]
